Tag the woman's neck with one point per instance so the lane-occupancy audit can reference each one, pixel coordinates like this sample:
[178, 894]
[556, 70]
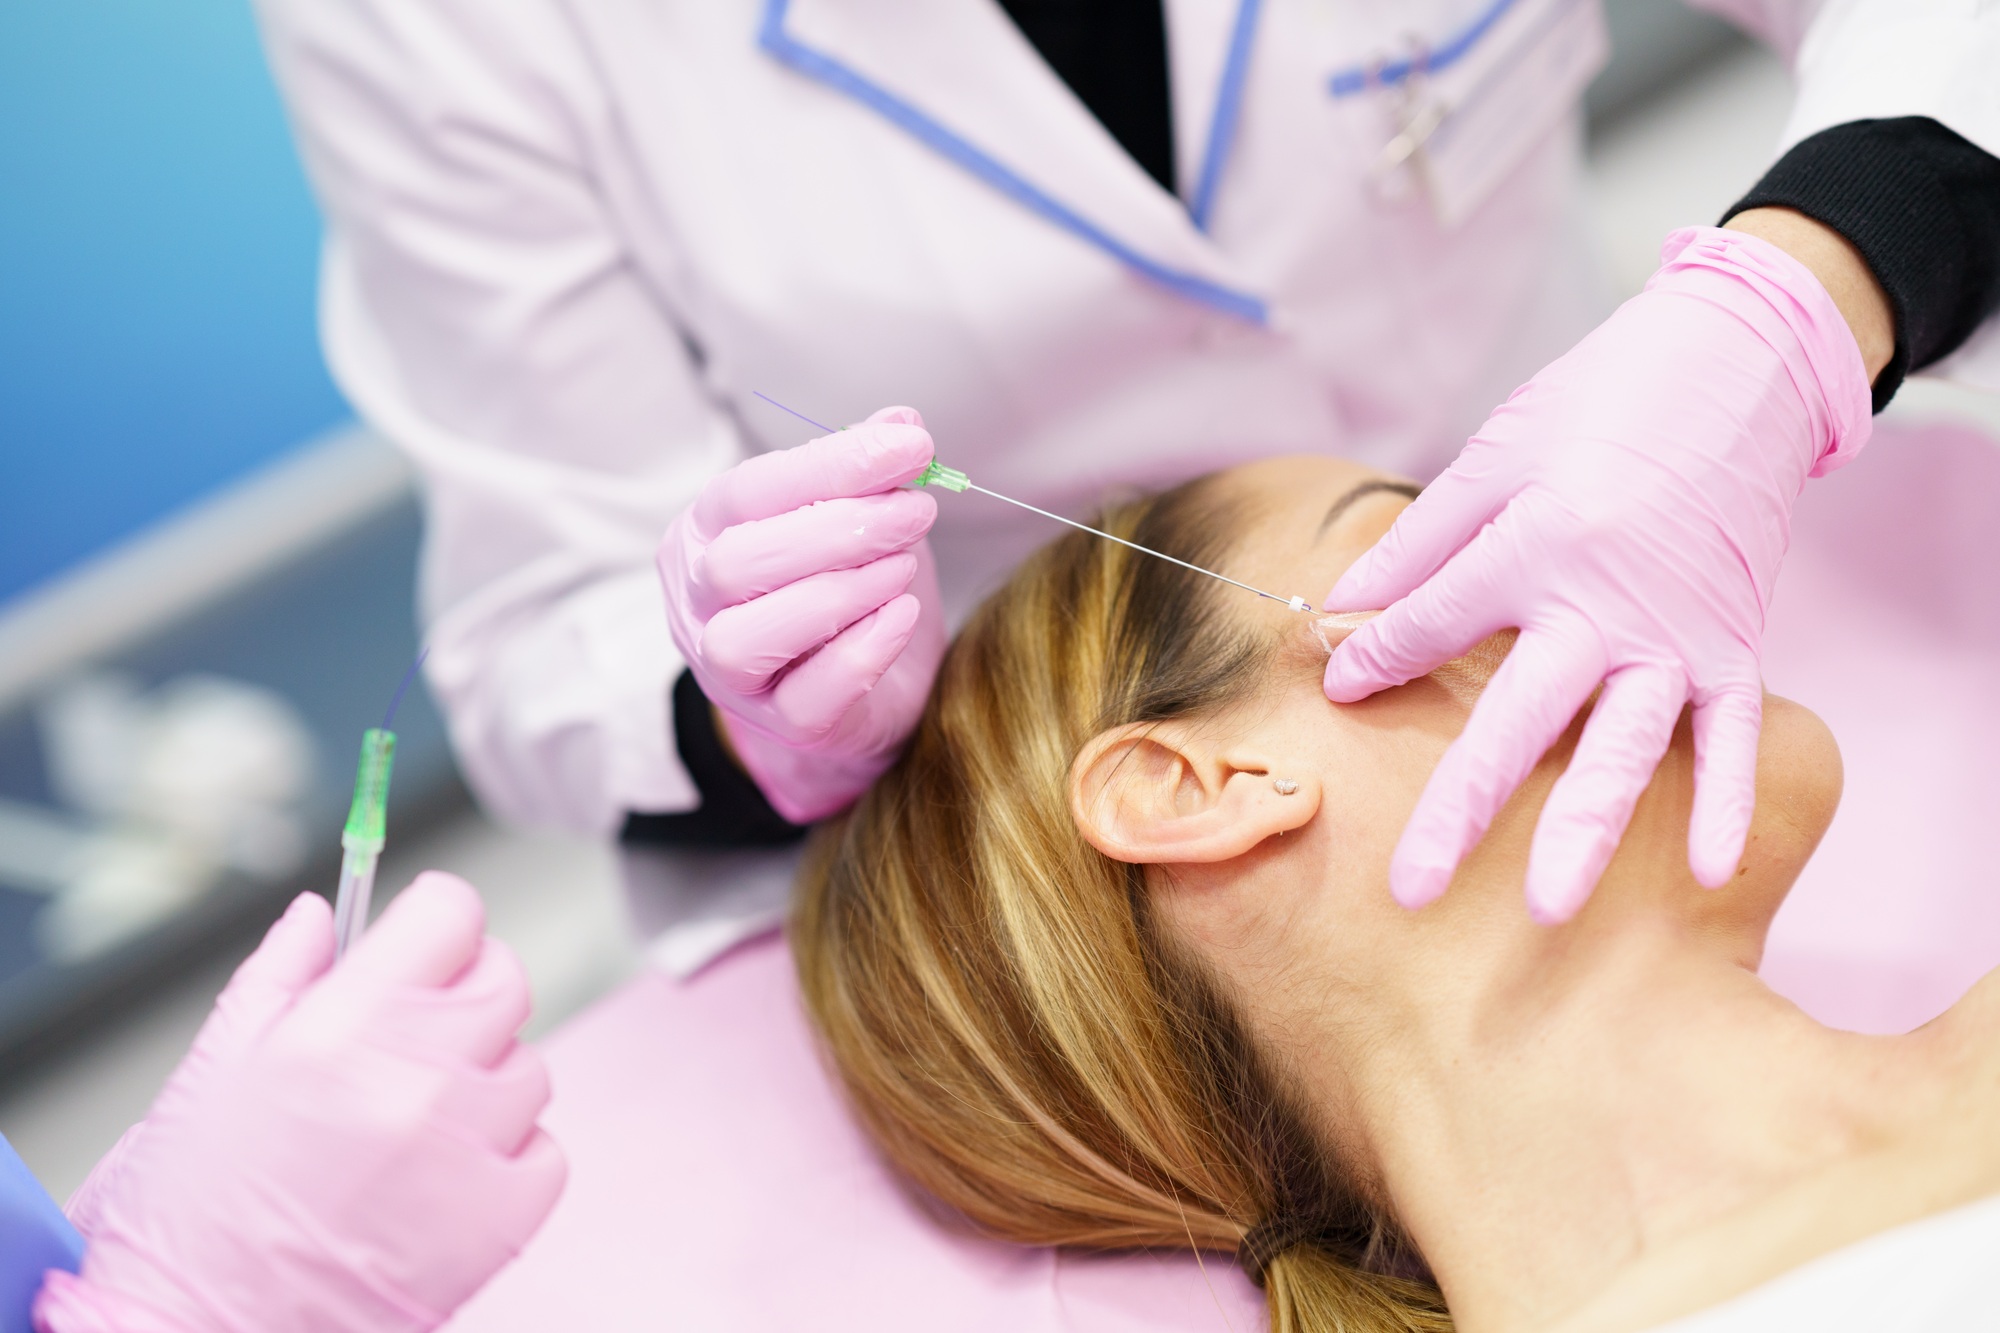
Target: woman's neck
[1546, 1126]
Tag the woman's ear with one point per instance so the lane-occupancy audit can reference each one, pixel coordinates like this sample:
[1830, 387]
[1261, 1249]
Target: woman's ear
[1158, 793]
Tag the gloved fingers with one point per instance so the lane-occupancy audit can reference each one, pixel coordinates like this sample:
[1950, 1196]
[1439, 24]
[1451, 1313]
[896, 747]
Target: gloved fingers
[472, 1022]
[1587, 812]
[861, 460]
[1726, 728]
[497, 1107]
[815, 695]
[536, 1176]
[496, 999]
[509, 1197]
[1439, 523]
[755, 558]
[428, 935]
[898, 416]
[1440, 620]
[474, 1211]
[744, 647]
[296, 951]
[70, 1303]
[1529, 702]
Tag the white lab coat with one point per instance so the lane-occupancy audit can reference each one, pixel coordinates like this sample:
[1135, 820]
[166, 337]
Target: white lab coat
[567, 239]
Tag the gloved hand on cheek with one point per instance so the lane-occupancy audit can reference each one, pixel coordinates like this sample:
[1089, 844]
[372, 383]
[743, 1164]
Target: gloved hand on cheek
[1627, 511]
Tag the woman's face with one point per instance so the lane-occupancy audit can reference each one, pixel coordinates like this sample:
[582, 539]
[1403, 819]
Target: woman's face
[1307, 913]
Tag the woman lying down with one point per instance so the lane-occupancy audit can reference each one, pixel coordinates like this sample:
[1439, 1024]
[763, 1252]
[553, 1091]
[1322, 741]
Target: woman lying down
[1109, 960]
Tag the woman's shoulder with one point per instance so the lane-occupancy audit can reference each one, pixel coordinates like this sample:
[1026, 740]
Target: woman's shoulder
[1933, 1274]
[1924, 1180]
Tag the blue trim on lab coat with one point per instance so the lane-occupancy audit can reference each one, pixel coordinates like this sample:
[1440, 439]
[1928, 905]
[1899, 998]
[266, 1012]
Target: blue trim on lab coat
[1228, 109]
[814, 64]
[34, 1237]
[1446, 54]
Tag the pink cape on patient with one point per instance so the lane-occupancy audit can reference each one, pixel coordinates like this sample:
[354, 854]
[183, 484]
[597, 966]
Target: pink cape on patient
[716, 1183]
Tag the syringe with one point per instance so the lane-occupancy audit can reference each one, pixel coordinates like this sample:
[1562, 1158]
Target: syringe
[937, 474]
[367, 822]
[361, 841]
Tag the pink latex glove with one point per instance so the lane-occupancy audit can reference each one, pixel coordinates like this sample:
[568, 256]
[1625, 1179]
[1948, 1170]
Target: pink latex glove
[801, 591]
[1627, 511]
[345, 1148]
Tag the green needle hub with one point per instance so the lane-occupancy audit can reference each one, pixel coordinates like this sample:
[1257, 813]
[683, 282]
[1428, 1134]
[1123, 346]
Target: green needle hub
[937, 474]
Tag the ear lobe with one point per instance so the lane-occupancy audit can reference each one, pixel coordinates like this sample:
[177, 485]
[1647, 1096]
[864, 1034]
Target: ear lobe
[1151, 794]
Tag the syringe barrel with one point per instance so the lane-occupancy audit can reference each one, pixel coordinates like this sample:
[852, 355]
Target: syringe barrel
[352, 900]
[361, 841]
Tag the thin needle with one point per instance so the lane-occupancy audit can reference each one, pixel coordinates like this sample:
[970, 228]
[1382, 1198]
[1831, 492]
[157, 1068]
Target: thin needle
[1295, 603]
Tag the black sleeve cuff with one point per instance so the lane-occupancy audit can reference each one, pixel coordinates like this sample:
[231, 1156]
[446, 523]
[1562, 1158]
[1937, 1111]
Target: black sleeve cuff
[733, 811]
[1922, 205]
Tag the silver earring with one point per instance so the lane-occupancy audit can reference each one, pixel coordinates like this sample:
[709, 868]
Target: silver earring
[1285, 786]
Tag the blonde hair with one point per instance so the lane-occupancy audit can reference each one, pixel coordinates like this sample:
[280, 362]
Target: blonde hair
[1016, 1038]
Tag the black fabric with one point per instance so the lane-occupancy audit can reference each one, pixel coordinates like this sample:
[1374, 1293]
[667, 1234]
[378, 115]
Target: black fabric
[1922, 205]
[1113, 55]
[733, 811]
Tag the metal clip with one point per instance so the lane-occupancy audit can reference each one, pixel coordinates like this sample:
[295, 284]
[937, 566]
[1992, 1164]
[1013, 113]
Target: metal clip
[1416, 115]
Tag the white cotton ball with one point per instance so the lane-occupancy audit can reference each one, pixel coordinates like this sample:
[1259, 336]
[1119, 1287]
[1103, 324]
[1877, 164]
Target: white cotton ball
[93, 730]
[199, 776]
[223, 763]
[267, 844]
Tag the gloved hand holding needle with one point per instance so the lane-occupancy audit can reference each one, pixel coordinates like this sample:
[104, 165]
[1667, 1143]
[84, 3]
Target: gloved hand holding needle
[801, 726]
[802, 594]
[345, 1147]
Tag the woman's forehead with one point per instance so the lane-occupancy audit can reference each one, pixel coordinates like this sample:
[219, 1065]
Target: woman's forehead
[1301, 521]
[1298, 501]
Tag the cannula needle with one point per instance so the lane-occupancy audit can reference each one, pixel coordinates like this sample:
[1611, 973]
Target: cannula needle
[937, 474]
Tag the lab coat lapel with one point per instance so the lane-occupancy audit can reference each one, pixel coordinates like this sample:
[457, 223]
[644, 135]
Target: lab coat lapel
[1202, 36]
[962, 67]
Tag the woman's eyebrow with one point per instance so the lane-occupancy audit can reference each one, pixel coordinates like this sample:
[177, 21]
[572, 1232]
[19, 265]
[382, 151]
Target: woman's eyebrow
[1362, 491]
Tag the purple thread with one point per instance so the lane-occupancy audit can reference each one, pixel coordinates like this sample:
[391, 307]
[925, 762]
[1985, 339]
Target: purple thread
[408, 676]
[800, 415]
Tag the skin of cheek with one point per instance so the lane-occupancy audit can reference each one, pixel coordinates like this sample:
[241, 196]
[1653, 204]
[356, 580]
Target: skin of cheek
[1316, 903]
[1312, 910]
[1302, 934]
[1375, 757]
[1313, 907]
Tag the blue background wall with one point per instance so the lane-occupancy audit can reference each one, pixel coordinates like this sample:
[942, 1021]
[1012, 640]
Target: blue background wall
[157, 255]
